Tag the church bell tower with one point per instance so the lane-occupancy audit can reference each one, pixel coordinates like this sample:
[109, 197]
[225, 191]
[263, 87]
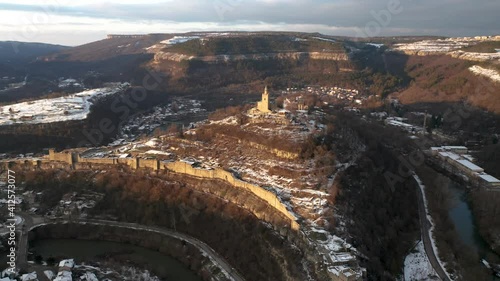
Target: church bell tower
[263, 105]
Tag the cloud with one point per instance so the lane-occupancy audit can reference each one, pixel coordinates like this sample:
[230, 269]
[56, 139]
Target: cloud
[338, 17]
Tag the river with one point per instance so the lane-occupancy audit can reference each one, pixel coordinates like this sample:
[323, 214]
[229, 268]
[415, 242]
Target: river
[462, 218]
[164, 266]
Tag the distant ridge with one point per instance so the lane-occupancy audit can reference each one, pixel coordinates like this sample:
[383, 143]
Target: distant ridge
[15, 51]
[112, 36]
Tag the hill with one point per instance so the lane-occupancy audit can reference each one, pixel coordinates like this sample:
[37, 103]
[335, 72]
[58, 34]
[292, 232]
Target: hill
[207, 61]
[12, 51]
[14, 56]
[444, 79]
[113, 46]
[255, 44]
[227, 68]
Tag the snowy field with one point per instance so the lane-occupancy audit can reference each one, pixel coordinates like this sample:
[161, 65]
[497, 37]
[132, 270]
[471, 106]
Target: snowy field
[417, 265]
[72, 107]
[451, 47]
[179, 39]
[169, 42]
[490, 73]
[325, 39]
[432, 46]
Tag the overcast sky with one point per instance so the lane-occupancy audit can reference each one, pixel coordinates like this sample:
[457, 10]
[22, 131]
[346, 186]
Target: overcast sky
[74, 22]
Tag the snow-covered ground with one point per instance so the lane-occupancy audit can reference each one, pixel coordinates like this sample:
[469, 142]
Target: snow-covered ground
[325, 39]
[72, 107]
[179, 39]
[431, 229]
[473, 56]
[450, 46]
[163, 115]
[69, 82]
[375, 45]
[169, 42]
[490, 73]
[417, 265]
[432, 46]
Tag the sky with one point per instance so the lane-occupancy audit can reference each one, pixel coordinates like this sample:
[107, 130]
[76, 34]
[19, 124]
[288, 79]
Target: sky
[75, 22]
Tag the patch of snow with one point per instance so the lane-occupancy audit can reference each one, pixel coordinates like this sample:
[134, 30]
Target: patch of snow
[70, 263]
[231, 120]
[432, 46]
[89, 276]
[72, 107]
[375, 45]
[418, 266]
[49, 274]
[325, 39]
[490, 73]
[64, 276]
[29, 277]
[431, 229]
[157, 152]
[179, 39]
[152, 142]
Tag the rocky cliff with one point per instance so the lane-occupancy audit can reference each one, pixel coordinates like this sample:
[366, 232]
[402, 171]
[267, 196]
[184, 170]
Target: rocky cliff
[332, 56]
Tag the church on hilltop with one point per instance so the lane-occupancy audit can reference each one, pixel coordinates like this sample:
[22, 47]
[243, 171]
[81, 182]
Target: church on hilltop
[263, 106]
[264, 111]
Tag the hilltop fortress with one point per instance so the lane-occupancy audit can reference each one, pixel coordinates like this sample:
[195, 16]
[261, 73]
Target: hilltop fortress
[340, 264]
[75, 161]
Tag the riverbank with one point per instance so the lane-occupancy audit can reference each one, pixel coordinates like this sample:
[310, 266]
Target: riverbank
[461, 261]
[484, 206]
[463, 219]
[486, 210]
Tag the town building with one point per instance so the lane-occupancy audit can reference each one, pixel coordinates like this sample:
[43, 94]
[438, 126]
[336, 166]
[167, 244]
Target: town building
[456, 160]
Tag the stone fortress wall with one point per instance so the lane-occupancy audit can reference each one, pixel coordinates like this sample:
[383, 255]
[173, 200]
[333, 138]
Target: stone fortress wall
[268, 196]
[179, 167]
[66, 160]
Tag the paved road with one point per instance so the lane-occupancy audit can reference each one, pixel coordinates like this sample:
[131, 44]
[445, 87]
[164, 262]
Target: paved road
[22, 245]
[425, 226]
[220, 261]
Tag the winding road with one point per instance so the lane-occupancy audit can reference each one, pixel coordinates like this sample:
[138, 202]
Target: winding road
[425, 226]
[31, 223]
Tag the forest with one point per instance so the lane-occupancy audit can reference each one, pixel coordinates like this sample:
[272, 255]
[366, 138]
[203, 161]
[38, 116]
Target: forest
[379, 214]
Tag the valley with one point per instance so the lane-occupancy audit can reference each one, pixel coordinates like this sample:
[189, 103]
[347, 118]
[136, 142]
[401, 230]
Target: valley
[283, 155]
